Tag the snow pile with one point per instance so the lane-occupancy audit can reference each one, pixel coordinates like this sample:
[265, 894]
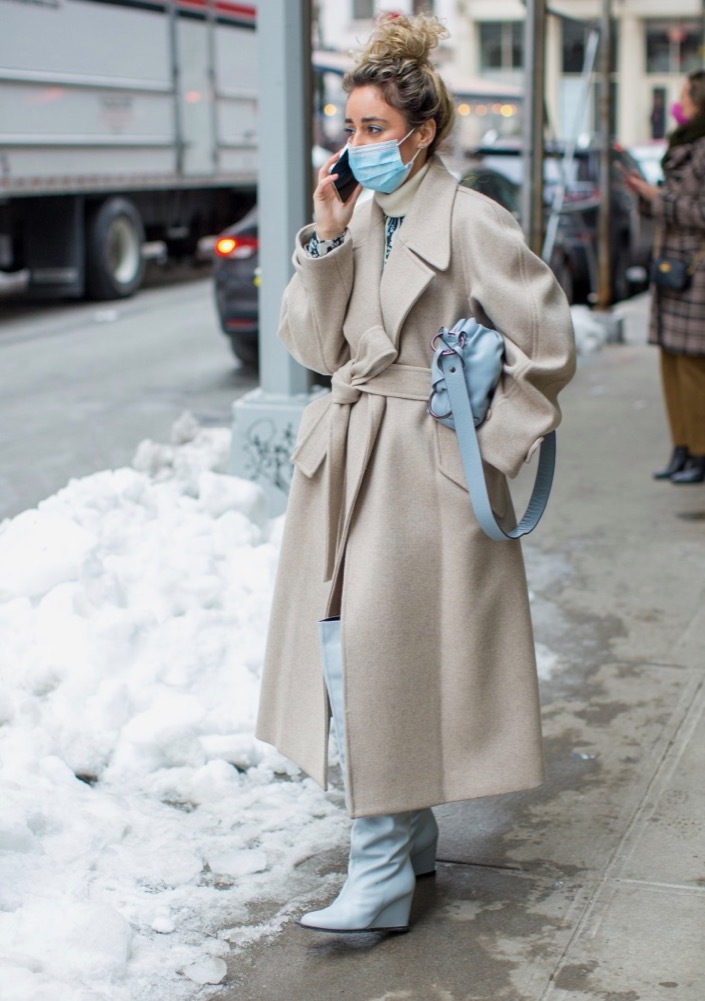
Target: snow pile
[140, 820]
[591, 331]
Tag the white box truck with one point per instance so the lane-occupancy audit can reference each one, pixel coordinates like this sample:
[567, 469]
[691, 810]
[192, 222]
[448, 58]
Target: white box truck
[124, 124]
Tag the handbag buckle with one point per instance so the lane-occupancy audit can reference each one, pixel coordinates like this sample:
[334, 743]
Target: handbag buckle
[448, 351]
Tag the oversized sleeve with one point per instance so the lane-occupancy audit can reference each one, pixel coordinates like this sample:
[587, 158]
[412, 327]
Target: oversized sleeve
[516, 293]
[315, 303]
[684, 206]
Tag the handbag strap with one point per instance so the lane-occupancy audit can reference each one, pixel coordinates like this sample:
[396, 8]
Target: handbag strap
[452, 368]
[696, 260]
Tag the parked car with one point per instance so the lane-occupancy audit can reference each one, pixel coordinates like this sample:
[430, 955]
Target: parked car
[236, 280]
[565, 257]
[631, 237]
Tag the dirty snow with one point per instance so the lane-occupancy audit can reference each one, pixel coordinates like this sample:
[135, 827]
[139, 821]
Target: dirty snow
[142, 826]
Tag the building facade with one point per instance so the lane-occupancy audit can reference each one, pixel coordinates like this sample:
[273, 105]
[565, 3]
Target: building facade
[651, 53]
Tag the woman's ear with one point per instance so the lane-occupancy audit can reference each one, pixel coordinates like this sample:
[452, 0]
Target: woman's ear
[427, 132]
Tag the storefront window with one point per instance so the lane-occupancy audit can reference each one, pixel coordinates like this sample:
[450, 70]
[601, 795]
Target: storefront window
[673, 46]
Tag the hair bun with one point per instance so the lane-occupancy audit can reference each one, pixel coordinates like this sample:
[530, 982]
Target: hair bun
[398, 38]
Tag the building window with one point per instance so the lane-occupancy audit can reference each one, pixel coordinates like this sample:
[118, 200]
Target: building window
[575, 39]
[501, 45]
[363, 9]
[673, 46]
[574, 42]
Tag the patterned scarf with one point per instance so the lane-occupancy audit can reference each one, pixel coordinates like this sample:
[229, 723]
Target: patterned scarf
[391, 225]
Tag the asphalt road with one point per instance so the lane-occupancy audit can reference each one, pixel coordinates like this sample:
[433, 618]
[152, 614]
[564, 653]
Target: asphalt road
[81, 385]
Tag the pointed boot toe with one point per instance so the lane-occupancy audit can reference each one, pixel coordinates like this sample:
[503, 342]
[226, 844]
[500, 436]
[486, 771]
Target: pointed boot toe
[677, 462]
[346, 921]
[694, 471]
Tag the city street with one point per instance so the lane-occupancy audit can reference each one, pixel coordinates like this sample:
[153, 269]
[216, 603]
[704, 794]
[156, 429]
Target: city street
[83, 383]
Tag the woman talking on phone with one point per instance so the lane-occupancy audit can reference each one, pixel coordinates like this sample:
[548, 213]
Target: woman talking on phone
[392, 611]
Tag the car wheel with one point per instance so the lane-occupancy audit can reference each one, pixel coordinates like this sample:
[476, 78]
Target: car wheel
[114, 238]
[245, 349]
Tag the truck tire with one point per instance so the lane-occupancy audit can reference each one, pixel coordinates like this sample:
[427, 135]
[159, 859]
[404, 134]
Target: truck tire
[114, 238]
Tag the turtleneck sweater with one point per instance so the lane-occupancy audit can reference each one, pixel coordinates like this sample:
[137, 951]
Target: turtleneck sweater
[397, 203]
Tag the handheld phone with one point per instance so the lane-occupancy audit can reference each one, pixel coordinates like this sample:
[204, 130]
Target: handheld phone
[345, 182]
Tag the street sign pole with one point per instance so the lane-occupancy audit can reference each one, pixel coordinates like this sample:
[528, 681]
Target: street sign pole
[266, 420]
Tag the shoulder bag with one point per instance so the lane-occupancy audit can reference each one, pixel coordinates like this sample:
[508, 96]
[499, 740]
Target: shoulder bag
[670, 272]
[467, 365]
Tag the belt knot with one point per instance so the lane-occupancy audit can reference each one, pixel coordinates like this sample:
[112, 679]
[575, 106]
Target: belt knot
[342, 389]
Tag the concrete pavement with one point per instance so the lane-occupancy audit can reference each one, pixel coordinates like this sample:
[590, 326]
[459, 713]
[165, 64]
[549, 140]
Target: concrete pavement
[592, 887]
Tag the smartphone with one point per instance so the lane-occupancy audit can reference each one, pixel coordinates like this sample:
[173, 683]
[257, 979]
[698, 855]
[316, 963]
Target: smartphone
[345, 182]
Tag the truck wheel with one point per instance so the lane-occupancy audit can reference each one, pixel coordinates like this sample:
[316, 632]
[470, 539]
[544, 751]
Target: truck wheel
[114, 238]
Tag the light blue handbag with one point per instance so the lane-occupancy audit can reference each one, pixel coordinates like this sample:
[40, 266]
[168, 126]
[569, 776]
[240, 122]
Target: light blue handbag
[466, 368]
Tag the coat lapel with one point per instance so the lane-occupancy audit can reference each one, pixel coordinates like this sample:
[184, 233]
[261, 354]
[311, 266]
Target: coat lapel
[421, 248]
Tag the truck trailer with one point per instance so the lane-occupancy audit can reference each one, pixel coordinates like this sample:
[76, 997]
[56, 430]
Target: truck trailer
[126, 127]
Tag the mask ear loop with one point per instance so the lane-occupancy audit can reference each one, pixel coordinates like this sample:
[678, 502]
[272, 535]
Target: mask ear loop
[418, 150]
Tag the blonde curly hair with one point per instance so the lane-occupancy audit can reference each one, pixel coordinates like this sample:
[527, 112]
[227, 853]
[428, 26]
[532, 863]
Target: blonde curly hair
[396, 60]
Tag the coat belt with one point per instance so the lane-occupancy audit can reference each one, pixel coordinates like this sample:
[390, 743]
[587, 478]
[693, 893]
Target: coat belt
[406, 382]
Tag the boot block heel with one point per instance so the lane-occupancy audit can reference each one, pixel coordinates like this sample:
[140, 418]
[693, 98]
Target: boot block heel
[395, 916]
[424, 861]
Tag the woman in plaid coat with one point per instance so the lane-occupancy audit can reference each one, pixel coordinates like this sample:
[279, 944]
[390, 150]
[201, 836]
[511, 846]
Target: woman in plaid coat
[678, 315]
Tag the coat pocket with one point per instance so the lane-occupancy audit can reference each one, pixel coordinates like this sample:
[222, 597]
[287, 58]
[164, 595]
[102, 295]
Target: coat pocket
[451, 465]
[312, 440]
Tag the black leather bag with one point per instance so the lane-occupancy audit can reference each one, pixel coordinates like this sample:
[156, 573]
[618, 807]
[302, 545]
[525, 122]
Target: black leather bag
[669, 273]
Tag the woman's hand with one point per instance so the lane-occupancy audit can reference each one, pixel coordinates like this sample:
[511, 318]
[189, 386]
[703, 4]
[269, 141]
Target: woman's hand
[640, 187]
[331, 215]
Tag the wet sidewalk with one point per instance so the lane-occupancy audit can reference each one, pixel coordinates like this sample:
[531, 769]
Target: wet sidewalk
[592, 887]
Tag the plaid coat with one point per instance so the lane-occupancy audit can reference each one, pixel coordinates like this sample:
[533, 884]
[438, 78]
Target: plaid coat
[678, 318]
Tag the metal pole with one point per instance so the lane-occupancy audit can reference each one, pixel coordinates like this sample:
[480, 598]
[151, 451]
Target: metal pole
[604, 262]
[534, 121]
[176, 87]
[266, 420]
[284, 190]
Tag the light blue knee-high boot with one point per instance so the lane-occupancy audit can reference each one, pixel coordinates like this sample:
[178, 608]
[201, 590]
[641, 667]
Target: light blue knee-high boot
[379, 889]
[424, 829]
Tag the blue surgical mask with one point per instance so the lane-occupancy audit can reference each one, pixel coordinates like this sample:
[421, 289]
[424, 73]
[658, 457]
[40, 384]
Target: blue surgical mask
[379, 166]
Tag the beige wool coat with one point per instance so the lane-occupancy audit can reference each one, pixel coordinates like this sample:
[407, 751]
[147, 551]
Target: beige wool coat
[440, 677]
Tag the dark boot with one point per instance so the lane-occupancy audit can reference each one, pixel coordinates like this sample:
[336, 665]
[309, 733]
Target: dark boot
[694, 472]
[676, 463]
